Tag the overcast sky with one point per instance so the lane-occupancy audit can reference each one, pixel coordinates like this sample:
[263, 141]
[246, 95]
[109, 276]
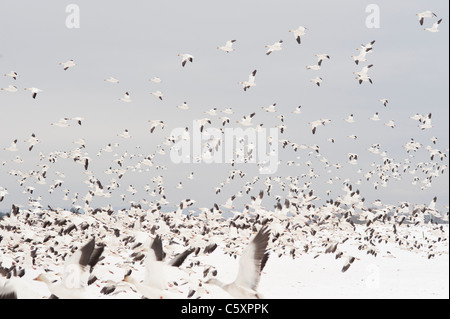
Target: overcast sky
[134, 41]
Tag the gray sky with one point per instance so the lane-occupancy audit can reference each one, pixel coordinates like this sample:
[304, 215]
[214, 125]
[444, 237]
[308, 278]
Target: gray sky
[136, 41]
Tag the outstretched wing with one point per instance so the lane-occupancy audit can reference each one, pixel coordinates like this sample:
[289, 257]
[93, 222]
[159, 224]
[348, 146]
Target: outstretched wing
[253, 260]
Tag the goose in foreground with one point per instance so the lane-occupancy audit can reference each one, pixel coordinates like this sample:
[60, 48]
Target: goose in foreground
[435, 27]
[251, 81]
[251, 264]
[76, 273]
[186, 57]
[426, 14]
[298, 33]
[155, 280]
[34, 91]
[228, 47]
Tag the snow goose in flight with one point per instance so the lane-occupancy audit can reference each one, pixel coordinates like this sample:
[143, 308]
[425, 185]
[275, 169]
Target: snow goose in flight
[270, 108]
[155, 79]
[61, 122]
[297, 110]
[361, 57]
[362, 76]
[426, 122]
[350, 119]
[385, 102]
[315, 67]
[228, 111]
[155, 280]
[246, 120]
[158, 94]
[155, 124]
[112, 80]
[298, 33]
[3, 193]
[10, 88]
[321, 57]
[76, 273]
[126, 98]
[32, 141]
[391, 124]
[125, 134]
[184, 106]
[34, 91]
[68, 64]
[315, 124]
[375, 117]
[435, 27]
[12, 74]
[368, 46]
[274, 47]
[251, 81]
[251, 264]
[12, 147]
[228, 46]
[317, 80]
[186, 57]
[426, 14]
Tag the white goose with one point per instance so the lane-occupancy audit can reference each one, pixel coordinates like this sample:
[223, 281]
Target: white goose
[274, 47]
[298, 33]
[435, 27]
[317, 80]
[426, 14]
[68, 64]
[112, 80]
[186, 58]
[251, 81]
[126, 98]
[228, 47]
[251, 264]
[12, 74]
[246, 120]
[158, 94]
[34, 91]
[10, 88]
[76, 273]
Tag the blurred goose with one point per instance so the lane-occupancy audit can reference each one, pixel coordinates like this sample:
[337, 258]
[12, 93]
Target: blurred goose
[426, 14]
[186, 58]
[251, 81]
[68, 64]
[298, 33]
[435, 27]
[34, 91]
[12, 74]
[274, 47]
[251, 264]
[228, 46]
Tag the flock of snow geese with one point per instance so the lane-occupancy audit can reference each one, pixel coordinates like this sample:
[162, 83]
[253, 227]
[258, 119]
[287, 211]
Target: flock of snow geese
[149, 251]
